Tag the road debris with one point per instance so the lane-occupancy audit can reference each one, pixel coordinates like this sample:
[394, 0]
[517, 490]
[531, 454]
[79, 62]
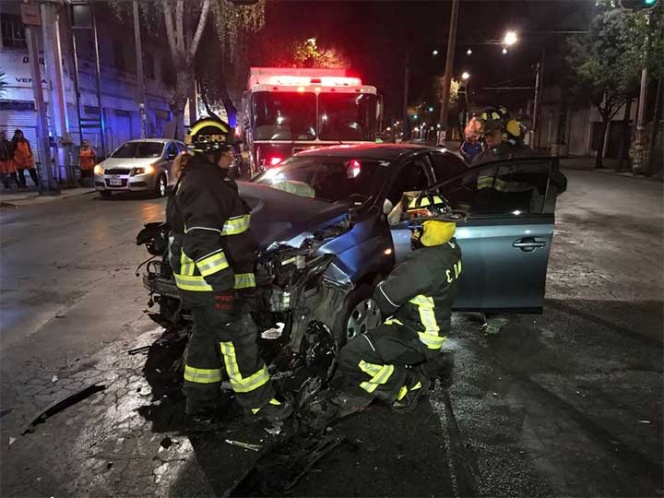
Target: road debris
[61, 404]
[246, 446]
[644, 422]
[141, 350]
[55, 379]
[12, 440]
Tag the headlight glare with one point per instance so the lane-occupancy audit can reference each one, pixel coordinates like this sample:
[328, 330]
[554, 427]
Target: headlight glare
[99, 169]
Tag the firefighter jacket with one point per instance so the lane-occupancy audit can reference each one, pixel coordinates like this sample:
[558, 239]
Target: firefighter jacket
[211, 249]
[419, 293]
[505, 150]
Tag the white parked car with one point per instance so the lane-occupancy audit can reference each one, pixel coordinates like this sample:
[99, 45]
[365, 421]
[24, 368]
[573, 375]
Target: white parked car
[139, 166]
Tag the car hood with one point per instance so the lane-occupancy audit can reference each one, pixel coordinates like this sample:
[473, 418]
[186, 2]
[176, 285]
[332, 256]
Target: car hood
[130, 162]
[278, 216]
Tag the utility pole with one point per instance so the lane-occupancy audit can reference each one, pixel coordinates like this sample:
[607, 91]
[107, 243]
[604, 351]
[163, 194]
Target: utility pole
[48, 187]
[447, 77]
[536, 104]
[139, 68]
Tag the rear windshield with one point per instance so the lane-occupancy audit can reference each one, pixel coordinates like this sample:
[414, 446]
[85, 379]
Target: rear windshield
[330, 179]
[138, 150]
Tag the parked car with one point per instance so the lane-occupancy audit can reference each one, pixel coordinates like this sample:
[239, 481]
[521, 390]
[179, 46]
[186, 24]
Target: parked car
[139, 166]
[321, 221]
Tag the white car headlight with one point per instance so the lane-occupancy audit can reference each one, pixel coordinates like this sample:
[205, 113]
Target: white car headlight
[99, 169]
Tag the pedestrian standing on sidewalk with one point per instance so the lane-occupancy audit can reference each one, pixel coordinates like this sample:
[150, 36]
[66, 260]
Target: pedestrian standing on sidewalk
[7, 166]
[87, 158]
[23, 159]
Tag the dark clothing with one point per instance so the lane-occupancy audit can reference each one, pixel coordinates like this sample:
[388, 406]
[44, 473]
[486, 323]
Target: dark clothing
[33, 175]
[211, 252]
[470, 150]
[505, 150]
[418, 297]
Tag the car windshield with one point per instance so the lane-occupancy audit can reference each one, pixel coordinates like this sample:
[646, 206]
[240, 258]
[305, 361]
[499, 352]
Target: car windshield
[138, 150]
[284, 116]
[330, 179]
[347, 116]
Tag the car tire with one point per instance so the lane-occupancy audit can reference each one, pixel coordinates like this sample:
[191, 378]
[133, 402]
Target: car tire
[359, 315]
[161, 186]
[105, 194]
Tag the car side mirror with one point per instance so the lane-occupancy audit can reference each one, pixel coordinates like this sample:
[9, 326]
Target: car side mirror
[387, 206]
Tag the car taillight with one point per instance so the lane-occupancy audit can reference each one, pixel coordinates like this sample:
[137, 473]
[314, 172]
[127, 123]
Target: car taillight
[274, 160]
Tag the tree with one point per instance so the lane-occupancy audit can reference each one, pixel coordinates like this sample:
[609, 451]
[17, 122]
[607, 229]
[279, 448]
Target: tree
[184, 29]
[607, 62]
[299, 53]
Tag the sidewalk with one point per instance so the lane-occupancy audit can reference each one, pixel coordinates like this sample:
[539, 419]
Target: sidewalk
[588, 164]
[19, 198]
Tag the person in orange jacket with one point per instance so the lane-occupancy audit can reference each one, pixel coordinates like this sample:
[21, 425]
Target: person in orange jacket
[23, 159]
[87, 158]
[7, 166]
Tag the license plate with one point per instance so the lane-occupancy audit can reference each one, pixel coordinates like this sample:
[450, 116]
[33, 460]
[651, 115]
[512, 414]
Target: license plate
[115, 182]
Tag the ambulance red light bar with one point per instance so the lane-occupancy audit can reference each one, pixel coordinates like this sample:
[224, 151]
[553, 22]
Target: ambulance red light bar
[331, 81]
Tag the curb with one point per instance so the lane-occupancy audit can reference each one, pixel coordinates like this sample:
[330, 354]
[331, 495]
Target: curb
[35, 198]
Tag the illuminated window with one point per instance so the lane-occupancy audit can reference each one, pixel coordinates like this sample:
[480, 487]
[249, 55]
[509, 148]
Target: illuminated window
[13, 34]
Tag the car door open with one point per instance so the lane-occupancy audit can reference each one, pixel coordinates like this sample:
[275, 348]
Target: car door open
[506, 239]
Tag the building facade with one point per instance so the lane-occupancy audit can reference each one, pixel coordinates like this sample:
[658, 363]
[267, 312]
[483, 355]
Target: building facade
[118, 109]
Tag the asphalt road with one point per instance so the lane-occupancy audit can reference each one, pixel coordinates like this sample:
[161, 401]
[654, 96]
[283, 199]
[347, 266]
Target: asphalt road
[564, 403]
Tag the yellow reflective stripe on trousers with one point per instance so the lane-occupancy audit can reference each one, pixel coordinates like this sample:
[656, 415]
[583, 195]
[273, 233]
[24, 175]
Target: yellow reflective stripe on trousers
[194, 284]
[380, 374]
[212, 264]
[393, 321]
[236, 225]
[238, 383]
[245, 280]
[187, 265]
[202, 375]
[425, 307]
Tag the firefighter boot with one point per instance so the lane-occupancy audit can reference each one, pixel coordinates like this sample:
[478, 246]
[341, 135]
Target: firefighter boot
[414, 387]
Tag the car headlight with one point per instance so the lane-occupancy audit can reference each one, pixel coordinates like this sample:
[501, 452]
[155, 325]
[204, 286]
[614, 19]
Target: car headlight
[147, 170]
[99, 169]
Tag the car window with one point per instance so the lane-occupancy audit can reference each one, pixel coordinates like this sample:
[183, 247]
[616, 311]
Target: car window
[412, 177]
[328, 179]
[447, 166]
[172, 149]
[138, 150]
[504, 188]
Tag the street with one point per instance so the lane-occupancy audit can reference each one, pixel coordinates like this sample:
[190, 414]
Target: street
[565, 403]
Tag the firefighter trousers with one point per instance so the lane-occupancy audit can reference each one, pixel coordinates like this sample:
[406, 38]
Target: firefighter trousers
[220, 340]
[378, 361]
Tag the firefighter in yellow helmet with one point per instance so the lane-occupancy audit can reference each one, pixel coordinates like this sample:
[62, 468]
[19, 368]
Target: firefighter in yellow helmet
[502, 134]
[397, 362]
[211, 253]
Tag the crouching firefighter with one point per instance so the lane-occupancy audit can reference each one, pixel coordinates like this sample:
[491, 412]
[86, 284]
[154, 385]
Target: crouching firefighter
[397, 362]
[211, 251]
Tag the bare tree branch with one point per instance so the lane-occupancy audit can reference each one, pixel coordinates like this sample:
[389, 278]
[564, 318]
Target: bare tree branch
[170, 31]
[199, 30]
[179, 25]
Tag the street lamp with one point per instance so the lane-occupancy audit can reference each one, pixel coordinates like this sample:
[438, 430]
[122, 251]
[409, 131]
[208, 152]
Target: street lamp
[465, 75]
[434, 53]
[469, 52]
[504, 51]
[510, 38]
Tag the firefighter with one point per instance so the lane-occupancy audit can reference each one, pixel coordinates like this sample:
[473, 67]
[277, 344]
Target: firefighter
[397, 362]
[211, 252]
[7, 166]
[503, 136]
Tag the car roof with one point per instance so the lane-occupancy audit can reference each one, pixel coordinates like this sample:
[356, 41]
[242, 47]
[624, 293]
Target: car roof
[155, 140]
[368, 151]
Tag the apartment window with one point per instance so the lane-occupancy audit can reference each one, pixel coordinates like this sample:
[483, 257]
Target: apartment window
[119, 56]
[13, 34]
[148, 66]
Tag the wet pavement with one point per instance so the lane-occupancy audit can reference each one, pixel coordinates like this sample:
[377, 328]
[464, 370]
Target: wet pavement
[564, 403]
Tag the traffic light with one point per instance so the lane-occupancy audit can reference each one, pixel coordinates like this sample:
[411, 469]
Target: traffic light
[638, 4]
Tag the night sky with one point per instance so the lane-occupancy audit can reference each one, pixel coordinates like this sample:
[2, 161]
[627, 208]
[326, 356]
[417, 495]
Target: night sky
[376, 35]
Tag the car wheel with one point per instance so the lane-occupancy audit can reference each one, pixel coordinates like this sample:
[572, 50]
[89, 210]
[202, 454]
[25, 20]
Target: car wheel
[161, 187]
[360, 314]
[106, 194]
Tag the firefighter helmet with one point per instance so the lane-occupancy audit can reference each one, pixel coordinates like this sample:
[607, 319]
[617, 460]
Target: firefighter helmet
[499, 119]
[431, 207]
[210, 136]
[432, 221]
